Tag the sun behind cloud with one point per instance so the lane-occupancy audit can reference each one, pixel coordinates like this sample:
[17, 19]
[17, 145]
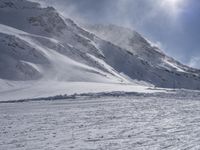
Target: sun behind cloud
[173, 7]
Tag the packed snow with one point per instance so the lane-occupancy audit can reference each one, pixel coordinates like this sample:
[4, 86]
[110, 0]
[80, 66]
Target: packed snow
[124, 122]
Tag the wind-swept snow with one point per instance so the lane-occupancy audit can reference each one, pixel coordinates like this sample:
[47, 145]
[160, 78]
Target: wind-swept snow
[45, 54]
[102, 123]
[30, 90]
[107, 78]
[150, 64]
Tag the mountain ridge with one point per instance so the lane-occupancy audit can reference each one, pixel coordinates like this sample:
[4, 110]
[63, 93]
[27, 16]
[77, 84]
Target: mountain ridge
[43, 45]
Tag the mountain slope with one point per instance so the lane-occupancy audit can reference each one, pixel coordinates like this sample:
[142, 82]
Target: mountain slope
[159, 69]
[138, 45]
[41, 48]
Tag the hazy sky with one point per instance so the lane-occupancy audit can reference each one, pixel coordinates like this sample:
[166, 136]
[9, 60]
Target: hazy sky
[172, 24]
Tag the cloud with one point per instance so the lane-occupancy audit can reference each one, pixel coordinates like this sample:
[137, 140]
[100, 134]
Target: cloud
[195, 62]
[118, 11]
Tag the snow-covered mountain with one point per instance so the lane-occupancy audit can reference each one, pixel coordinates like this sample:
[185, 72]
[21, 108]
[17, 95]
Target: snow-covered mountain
[38, 46]
[163, 70]
[38, 43]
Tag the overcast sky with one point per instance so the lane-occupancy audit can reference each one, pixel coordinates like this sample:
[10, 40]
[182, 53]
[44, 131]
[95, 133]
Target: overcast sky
[172, 24]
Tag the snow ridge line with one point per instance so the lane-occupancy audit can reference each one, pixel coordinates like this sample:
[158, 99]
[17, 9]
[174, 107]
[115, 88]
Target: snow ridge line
[79, 96]
[170, 93]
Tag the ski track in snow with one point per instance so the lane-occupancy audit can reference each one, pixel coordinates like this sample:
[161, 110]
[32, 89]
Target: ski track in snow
[104, 123]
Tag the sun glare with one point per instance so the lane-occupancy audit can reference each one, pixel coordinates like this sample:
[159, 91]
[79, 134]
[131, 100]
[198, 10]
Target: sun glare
[173, 6]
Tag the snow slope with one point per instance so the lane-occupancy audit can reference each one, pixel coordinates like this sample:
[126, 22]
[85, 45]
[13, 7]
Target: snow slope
[44, 53]
[159, 69]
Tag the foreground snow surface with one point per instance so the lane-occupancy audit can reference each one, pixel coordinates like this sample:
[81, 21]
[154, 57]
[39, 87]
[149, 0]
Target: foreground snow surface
[128, 122]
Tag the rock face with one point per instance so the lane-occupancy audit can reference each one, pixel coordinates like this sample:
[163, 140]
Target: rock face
[39, 44]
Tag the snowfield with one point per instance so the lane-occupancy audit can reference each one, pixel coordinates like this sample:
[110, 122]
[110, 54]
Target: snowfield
[109, 122]
[42, 89]
[64, 87]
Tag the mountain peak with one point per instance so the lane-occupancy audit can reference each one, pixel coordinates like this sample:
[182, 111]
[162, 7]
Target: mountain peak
[18, 4]
[39, 44]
